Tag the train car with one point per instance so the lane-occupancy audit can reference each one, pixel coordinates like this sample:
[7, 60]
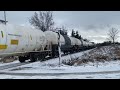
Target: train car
[71, 44]
[87, 45]
[21, 41]
[52, 38]
[30, 43]
[91, 45]
[75, 44]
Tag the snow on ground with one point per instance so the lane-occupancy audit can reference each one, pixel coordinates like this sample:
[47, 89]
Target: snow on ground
[52, 66]
[39, 67]
[94, 76]
[2, 64]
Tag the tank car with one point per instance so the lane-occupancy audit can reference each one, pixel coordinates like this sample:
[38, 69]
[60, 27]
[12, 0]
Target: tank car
[71, 44]
[21, 41]
[75, 44]
[52, 38]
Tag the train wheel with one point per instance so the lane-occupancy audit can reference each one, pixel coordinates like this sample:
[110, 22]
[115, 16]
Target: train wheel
[21, 59]
[64, 52]
[32, 58]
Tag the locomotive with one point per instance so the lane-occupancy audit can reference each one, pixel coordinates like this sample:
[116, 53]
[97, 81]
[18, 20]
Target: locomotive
[30, 43]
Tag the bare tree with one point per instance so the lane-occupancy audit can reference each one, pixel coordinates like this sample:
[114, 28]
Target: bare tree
[113, 34]
[42, 20]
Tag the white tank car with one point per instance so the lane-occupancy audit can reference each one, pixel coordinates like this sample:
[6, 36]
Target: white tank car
[52, 37]
[91, 44]
[75, 41]
[15, 40]
[88, 43]
[78, 42]
[84, 43]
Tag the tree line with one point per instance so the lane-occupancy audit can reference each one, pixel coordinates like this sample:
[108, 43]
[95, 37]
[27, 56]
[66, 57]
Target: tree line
[43, 20]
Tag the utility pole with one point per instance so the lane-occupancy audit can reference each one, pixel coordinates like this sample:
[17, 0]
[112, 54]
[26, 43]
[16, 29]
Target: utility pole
[59, 47]
[5, 17]
[4, 20]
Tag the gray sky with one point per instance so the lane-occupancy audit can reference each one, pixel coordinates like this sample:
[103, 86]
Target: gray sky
[92, 25]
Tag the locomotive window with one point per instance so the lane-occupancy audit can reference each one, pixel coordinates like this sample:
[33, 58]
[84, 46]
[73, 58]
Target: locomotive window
[2, 33]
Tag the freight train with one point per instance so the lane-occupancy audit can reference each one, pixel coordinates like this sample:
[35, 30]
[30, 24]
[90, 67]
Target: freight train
[31, 44]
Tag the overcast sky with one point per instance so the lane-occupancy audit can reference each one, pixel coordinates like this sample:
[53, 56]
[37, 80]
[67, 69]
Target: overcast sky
[92, 25]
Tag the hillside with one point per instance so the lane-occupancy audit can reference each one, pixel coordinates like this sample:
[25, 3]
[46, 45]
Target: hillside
[99, 54]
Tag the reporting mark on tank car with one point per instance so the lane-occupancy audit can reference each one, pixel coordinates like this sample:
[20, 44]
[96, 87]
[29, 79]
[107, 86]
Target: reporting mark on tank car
[15, 35]
[14, 42]
[3, 47]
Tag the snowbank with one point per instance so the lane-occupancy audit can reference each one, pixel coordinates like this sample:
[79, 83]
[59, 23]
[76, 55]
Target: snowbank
[99, 54]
